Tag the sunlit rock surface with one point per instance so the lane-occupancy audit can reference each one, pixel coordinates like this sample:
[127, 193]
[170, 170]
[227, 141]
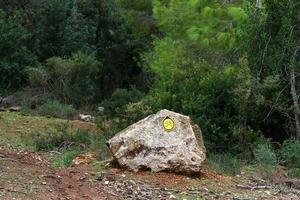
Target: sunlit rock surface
[148, 145]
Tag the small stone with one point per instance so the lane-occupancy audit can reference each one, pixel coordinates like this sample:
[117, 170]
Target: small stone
[15, 109]
[44, 183]
[106, 182]
[172, 196]
[100, 109]
[268, 192]
[86, 118]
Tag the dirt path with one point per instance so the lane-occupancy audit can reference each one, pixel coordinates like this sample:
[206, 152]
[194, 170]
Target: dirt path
[26, 175]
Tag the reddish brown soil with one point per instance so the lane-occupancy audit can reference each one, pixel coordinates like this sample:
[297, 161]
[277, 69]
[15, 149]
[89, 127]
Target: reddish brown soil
[26, 176]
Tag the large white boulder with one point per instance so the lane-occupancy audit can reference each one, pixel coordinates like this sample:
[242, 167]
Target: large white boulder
[151, 144]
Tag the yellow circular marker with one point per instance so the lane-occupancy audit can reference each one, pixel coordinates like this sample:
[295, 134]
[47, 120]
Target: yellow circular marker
[168, 124]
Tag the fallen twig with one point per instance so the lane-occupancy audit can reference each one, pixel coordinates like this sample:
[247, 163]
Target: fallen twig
[258, 187]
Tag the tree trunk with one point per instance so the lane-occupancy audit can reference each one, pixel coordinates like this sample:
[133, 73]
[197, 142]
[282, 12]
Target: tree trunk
[258, 3]
[295, 102]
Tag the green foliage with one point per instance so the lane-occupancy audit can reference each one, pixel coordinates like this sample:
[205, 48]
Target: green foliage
[81, 136]
[15, 55]
[294, 172]
[269, 39]
[107, 29]
[237, 14]
[62, 29]
[53, 108]
[290, 153]
[203, 92]
[99, 145]
[120, 98]
[62, 138]
[64, 159]
[198, 22]
[99, 165]
[134, 112]
[193, 74]
[227, 65]
[68, 79]
[137, 15]
[265, 157]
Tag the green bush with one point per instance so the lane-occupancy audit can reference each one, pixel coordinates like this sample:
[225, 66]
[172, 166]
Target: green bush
[68, 79]
[134, 112]
[290, 153]
[81, 136]
[15, 54]
[65, 159]
[62, 138]
[53, 108]
[119, 100]
[265, 157]
[47, 142]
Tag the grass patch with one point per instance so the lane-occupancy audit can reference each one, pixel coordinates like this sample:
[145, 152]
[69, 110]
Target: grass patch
[62, 138]
[64, 159]
[224, 163]
[53, 108]
[41, 133]
[294, 172]
[98, 165]
[290, 154]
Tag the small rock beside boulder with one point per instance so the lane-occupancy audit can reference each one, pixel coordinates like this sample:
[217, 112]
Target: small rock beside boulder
[86, 118]
[11, 109]
[153, 144]
[15, 109]
[100, 109]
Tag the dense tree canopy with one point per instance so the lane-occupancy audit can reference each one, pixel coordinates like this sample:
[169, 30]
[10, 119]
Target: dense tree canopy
[233, 66]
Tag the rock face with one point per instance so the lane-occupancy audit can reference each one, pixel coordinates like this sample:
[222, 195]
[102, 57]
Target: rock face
[153, 144]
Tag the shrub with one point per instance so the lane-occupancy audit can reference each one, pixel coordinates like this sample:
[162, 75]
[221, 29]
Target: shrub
[61, 138]
[265, 157]
[47, 142]
[134, 112]
[64, 159]
[119, 99]
[15, 54]
[81, 136]
[54, 108]
[290, 153]
[68, 79]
